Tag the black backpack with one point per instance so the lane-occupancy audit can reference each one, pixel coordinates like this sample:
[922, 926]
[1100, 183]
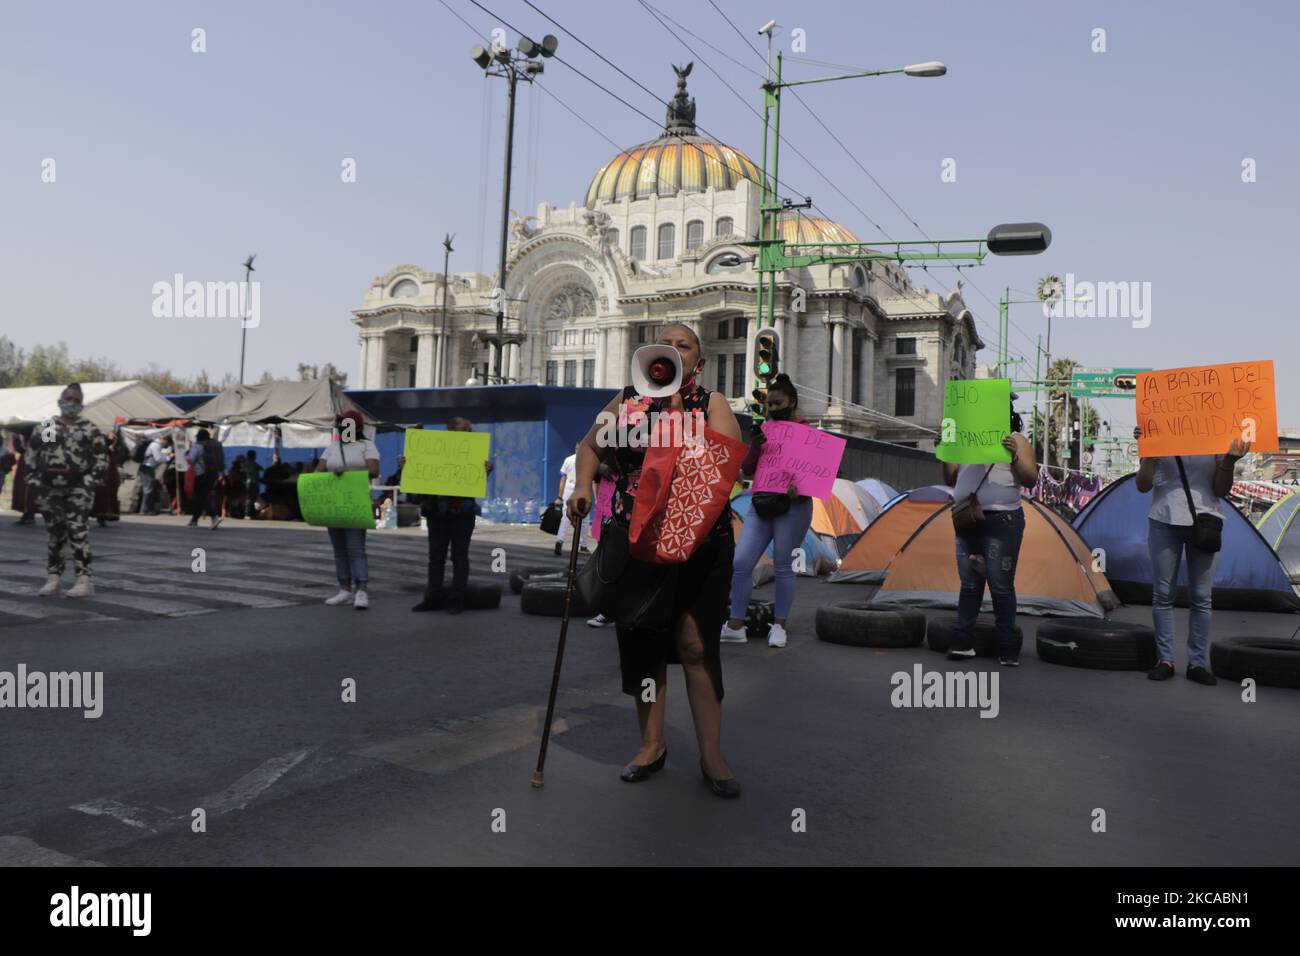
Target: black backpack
[138, 452]
[214, 456]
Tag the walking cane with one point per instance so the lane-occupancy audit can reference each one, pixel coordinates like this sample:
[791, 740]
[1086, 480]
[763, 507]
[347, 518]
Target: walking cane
[559, 653]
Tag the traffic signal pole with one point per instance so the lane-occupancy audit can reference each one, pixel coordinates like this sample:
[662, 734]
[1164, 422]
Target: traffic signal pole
[772, 254]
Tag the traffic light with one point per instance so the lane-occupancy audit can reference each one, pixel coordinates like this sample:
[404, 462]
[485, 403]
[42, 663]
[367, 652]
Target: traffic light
[759, 405]
[767, 355]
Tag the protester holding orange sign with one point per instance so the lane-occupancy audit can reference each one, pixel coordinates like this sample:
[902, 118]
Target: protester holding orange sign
[1185, 518]
[1199, 410]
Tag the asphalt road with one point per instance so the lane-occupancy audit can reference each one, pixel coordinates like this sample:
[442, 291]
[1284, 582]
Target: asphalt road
[223, 691]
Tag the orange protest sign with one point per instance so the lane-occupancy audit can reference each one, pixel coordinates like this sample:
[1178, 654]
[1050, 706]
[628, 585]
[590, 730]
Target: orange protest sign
[1200, 410]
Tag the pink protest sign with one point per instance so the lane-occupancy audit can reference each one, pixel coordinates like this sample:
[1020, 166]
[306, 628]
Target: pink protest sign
[798, 453]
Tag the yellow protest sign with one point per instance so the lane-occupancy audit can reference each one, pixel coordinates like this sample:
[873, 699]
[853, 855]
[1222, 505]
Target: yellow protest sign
[446, 463]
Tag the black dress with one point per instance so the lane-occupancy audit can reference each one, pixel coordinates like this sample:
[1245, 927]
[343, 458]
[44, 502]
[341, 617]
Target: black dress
[703, 582]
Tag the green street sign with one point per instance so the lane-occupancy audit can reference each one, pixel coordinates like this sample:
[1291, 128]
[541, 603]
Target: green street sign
[1105, 382]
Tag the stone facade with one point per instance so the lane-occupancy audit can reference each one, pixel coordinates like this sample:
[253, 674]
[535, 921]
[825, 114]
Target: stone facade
[587, 284]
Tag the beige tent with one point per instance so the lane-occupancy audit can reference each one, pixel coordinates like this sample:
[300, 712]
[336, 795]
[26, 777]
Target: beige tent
[105, 402]
[318, 403]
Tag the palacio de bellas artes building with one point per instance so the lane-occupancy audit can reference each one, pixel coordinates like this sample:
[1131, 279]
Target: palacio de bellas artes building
[589, 283]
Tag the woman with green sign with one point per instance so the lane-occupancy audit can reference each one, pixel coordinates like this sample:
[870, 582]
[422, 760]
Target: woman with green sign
[351, 451]
[990, 525]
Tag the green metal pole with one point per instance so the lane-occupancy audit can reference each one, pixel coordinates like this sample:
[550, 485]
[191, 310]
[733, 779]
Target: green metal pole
[776, 178]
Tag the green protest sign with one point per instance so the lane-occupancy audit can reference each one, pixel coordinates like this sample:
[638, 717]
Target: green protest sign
[445, 463]
[976, 417]
[336, 501]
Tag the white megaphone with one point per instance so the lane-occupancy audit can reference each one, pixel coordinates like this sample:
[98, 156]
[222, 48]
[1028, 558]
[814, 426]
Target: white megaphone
[656, 371]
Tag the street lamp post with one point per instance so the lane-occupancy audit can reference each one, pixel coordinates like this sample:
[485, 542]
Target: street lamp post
[501, 61]
[243, 319]
[441, 377]
[773, 254]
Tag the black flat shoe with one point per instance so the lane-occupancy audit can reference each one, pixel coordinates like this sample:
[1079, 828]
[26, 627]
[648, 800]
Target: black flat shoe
[636, 772]
[1201, 676]
[428, 605]
[1162, 671]
[721, 788]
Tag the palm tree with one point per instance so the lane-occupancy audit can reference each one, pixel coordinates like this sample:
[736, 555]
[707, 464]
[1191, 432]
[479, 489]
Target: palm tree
[1061, 371]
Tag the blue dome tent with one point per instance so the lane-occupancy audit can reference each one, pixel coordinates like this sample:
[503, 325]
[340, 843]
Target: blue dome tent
[1248, 575]
[1281, 530]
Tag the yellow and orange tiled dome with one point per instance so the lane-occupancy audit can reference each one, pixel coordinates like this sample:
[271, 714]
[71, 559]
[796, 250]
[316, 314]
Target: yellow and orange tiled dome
[812, 229]
[669, 165]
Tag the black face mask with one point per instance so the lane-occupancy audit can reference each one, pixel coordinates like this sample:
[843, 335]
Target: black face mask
[781, 414]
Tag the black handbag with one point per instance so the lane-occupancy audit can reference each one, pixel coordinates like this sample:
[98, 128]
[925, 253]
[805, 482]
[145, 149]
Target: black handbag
[769, 504]
[551, 519]
[632, 593]
[1207, 529]
[967, 513]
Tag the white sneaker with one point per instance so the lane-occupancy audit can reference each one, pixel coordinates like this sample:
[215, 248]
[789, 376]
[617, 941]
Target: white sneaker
[361, 601]
[776, 636]
[733, 635]
[53, 585]
[343, 597]
[83, 588]
[599, 621]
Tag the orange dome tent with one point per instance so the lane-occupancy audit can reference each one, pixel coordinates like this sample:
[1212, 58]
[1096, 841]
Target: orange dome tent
[1054, 574]
[866, 561]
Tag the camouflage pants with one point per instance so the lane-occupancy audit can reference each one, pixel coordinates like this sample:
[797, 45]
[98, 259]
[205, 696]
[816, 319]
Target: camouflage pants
[67, 517]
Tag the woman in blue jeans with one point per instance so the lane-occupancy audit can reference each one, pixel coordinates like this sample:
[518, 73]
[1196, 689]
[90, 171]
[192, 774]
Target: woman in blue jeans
[784, 527]
[989, 552]
[1170, 525]
[351, 451]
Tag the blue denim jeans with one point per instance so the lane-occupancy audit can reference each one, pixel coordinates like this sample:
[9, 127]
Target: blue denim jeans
[997, 539]
[350, 556]
[1166, 544]
[785, 533]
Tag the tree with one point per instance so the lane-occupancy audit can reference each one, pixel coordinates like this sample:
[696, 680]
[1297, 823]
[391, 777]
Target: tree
[163, 381]
[46, 365]
[11, 362]
[96, 370]
[309, 373]
[1061, 371]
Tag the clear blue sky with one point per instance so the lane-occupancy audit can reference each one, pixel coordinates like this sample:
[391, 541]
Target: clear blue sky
[171, 161]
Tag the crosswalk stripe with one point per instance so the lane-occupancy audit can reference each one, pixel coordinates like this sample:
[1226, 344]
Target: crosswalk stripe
[209, 594]
[105, 595]
[37, 612]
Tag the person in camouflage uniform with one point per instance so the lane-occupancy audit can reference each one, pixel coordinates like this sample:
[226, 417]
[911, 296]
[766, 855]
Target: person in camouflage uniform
[68, 461]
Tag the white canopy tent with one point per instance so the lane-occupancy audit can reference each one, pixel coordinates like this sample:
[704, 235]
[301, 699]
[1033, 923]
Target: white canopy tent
[105, 402]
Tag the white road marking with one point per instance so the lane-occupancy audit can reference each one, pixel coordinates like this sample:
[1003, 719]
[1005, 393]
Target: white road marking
[213, 594]
[51, 612]
[121, 812]
[253, 784]
[105, 595]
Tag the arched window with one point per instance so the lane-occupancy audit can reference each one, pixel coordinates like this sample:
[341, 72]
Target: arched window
[724, 227]
[638, 242]
[405, 289]
[667, 239]
[716, 266]
[611, 237]
[694, 234]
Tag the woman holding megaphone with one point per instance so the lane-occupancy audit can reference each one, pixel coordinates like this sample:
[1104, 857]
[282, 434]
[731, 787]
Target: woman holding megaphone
[666, 378]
